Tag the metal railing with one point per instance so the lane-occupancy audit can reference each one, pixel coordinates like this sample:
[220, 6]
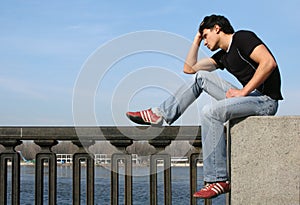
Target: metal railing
[120, 137]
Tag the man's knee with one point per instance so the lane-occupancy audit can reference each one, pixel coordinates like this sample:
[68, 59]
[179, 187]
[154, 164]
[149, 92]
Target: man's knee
[211, 111]
[206, 111]
[201, 78]
[202, 74]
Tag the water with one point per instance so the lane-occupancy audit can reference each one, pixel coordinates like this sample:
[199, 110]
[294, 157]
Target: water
[141, 187]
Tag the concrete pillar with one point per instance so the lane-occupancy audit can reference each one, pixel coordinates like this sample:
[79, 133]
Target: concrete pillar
[265, 161]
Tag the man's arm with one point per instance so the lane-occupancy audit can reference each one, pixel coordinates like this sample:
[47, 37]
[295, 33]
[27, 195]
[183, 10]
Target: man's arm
[191, 64]
[266, 64]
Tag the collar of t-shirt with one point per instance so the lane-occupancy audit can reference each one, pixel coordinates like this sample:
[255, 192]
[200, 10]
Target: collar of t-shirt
[229, 44]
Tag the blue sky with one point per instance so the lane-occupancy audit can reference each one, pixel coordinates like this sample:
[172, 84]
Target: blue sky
[44, 46]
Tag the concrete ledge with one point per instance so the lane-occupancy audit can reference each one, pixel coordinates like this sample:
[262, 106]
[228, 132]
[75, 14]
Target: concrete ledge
[265, 161]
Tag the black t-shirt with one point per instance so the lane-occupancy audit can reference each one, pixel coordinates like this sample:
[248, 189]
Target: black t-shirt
[238, 62]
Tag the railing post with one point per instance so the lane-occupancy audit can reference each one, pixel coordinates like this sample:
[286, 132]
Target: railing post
[44, 156]
[160, 145]
[167, 178]
[10, 155]
[78, 157]
[194, 158]
[116, 157]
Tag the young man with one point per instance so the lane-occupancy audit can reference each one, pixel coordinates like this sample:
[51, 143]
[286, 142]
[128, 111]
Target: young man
[246, 57]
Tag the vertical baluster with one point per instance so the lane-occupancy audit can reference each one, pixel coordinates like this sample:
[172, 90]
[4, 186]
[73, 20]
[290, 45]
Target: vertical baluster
[128, 179]
[114, 190]
[194, 158]
[76, 179]
[167, 178]
[90, 179]
[10, 155]
[3, 179]
[78, 157]
[153, 183]
[45, 155]
[116, 157]
[160, 146]
[121, 145]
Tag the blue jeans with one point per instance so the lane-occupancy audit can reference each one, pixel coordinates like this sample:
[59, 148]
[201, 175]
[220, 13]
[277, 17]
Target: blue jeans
[214, 115]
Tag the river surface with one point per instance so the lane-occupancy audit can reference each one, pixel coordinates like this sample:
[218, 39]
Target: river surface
[140, 183]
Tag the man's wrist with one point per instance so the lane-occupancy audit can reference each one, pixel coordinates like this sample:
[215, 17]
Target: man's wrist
[197, 42]
[245, 92]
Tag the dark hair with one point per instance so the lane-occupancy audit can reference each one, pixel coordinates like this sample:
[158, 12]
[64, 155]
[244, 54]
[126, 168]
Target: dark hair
[210, 21]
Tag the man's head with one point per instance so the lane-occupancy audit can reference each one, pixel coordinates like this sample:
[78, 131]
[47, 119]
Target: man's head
[214, 31]
[210, 21]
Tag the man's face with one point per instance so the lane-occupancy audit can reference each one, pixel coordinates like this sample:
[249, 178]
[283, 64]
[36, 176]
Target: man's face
[211, 38]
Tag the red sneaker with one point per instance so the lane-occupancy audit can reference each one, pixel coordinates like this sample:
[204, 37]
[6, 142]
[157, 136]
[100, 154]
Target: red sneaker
[213, 190]
[145, 117]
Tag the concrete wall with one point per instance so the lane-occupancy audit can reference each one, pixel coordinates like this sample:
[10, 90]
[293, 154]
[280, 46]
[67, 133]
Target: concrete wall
[265, 161]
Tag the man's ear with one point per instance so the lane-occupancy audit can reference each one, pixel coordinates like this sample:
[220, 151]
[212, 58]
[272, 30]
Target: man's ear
[217, 29]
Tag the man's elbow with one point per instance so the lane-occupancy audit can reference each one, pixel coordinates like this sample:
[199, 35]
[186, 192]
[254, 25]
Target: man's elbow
[271, 64]
[274, 64]
[187, 69]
